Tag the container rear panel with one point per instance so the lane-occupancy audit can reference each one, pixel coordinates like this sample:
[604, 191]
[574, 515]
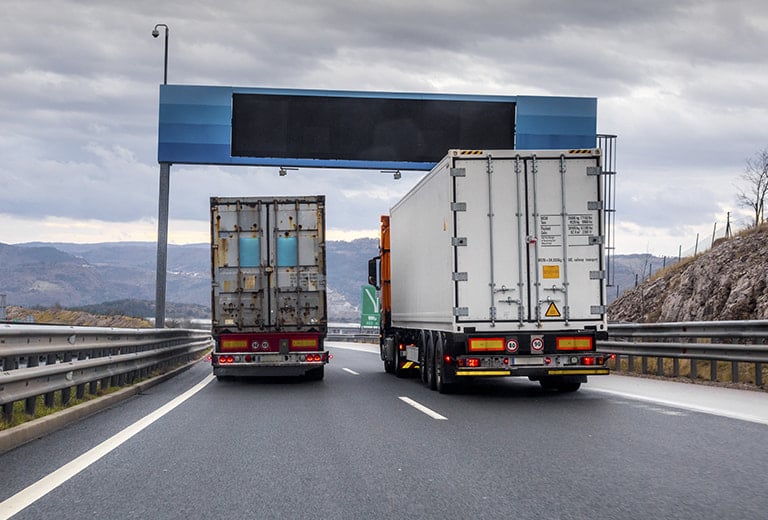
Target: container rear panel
[268, 264]
[528, 240]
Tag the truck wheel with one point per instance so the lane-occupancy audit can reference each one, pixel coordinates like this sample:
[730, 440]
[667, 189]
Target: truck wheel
[568, 387]
[430, 362]
[440, 384]
[316, 374]
[423, 357]
[554, 383]
[389, 367]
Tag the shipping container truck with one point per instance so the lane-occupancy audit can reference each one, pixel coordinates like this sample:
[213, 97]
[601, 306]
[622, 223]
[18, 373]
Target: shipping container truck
[268, 286]
[493, 265]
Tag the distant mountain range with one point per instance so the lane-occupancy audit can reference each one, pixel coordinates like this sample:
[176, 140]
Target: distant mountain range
[122, 274]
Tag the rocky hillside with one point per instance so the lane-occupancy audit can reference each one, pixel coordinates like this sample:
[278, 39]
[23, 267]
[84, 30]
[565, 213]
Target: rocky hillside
[69, 317]
[728, 282]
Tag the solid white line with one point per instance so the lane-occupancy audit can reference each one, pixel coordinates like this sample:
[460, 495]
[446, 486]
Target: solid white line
[685, 406]
[39, 489]
[351, 371]
[420, 407]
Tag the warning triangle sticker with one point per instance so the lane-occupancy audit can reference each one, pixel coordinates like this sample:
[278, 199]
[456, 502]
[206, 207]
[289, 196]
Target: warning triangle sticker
[552, 311]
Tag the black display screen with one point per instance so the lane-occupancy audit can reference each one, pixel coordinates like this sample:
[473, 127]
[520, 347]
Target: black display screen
[366, 129]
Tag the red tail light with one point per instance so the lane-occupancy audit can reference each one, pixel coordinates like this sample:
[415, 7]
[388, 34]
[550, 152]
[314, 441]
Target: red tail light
[588, 360]
[473, 362]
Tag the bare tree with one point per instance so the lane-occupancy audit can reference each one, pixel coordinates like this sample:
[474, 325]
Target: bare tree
[756, 177]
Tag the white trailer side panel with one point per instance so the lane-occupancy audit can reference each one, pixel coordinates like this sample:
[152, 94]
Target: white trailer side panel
[421, 227]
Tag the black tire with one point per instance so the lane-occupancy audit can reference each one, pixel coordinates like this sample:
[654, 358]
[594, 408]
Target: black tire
[430, 362]
[423, 357]
[566, 388]
[389, 364]
[440, 385]
[316, 374]
[559, 385]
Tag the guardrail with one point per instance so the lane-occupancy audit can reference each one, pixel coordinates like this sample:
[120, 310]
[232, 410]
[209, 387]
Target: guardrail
[42, 360]
[709, 342]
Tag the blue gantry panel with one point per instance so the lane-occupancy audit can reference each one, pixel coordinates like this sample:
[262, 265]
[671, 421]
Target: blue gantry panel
[195, 125]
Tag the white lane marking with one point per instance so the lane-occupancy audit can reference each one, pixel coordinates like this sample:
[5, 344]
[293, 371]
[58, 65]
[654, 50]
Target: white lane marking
[685, 406]
[420, 407]
[351, 371]
[42, 487]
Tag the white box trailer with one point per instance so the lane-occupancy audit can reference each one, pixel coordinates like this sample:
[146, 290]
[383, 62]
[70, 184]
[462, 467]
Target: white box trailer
[493, 265]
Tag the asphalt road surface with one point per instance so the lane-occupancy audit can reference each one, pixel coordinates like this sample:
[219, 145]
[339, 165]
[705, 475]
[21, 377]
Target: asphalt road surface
[363, 444]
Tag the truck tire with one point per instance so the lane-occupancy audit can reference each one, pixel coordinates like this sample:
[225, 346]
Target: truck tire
[430, 362]
[316, 374]
[568, 387]
[423, 357]
[558, 384]
[389, 364]
[440, 385]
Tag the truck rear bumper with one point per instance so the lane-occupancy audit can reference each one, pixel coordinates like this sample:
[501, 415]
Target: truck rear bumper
[265, 370]
[268, 364]
[533, 373]
[586, 363]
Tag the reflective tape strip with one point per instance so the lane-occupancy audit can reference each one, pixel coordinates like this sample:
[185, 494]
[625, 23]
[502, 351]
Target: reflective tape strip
[598, 372]
[482, 372]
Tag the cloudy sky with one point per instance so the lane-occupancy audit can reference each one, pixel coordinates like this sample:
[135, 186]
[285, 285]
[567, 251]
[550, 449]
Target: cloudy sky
[683, 84]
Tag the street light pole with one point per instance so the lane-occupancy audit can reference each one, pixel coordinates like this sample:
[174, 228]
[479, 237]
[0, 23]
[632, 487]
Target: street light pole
[162, 216]
[156, 33]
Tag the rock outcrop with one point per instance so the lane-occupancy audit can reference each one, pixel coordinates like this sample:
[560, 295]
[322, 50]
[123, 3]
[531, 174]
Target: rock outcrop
[728, 282]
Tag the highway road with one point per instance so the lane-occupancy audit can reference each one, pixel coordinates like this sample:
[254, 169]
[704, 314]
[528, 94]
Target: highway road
[364, 444]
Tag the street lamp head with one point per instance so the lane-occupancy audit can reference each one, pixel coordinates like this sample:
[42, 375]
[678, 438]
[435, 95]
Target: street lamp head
[155, 31]
[155, 34]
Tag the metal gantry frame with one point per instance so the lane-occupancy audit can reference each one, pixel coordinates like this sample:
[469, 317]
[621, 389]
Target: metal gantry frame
[607, 144]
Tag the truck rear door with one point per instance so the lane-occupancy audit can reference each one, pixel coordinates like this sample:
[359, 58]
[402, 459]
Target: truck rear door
[269, 264]
[528, 239]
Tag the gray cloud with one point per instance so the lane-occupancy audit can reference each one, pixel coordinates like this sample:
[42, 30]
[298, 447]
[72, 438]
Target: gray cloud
[681, 83]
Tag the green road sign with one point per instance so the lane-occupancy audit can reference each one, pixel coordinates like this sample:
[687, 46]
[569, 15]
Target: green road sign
[371, 313]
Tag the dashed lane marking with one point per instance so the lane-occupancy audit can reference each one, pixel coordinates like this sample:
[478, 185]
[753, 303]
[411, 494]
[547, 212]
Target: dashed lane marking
[423, 409]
